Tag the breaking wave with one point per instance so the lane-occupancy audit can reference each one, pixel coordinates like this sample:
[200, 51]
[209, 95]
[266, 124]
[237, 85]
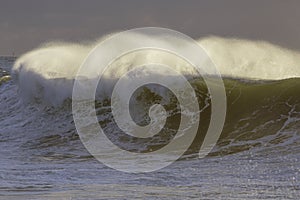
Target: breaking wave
[262, 84]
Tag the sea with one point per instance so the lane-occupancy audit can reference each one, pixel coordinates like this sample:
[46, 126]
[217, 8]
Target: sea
[256, 157]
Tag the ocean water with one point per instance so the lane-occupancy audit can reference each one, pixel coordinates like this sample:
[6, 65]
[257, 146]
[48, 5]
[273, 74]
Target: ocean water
[256, 157]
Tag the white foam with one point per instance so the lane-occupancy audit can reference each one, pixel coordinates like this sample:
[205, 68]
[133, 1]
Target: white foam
[48, 73]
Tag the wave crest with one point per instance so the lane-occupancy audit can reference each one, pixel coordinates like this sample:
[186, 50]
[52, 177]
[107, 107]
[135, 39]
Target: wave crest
[47, 73]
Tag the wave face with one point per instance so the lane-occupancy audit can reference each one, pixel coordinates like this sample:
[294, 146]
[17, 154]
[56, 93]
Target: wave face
[261, 115]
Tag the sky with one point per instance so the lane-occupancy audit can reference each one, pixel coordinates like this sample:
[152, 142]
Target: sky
[24, 25]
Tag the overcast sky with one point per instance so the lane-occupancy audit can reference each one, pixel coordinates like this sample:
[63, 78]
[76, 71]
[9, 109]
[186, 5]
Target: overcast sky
[26, 24]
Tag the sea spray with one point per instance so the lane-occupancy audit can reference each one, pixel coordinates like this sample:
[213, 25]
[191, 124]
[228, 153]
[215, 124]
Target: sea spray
[47, 73]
